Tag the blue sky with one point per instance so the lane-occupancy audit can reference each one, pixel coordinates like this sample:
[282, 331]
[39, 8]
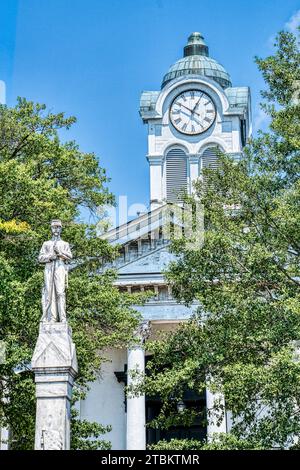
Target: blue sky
[93, 58]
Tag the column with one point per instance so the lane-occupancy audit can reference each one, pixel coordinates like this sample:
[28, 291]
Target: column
[194, 170]
[136, 410]
[212, 400]
[156, 192]
[54, 364]
[236, 135]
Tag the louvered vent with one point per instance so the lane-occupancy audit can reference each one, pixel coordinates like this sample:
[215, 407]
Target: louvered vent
[176, 175]
[209, 160]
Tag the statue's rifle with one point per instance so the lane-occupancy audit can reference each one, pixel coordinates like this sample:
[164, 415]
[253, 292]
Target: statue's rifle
[52, 282]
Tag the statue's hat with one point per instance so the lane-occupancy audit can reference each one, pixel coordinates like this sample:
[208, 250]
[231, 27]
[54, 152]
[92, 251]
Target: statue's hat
[56, 222]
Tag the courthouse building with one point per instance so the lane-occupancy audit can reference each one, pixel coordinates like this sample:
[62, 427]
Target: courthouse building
[196, 111]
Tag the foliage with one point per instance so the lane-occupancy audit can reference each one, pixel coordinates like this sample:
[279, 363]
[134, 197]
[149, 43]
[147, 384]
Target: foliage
[42, 178]
[243, 340]
[86, 435]
[220, 442]
[177, 444]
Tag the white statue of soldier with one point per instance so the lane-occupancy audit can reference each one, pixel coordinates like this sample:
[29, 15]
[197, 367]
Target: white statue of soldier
[55, 253]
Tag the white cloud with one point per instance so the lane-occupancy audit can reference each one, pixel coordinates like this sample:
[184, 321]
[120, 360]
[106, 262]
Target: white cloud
[292, 25]
[294, 22]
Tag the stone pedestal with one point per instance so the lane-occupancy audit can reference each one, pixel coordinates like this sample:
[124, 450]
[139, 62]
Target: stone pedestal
[55, 366]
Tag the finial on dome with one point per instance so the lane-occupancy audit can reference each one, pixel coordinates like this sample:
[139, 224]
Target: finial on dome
[196, 45]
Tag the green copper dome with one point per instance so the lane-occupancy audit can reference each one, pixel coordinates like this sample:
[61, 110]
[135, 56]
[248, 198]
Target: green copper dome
[196, 61]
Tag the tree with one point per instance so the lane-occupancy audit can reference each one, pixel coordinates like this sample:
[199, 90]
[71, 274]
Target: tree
[243, 340]
[42, 178]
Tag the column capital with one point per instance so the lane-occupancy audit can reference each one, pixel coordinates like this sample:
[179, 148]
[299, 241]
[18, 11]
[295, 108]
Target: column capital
[194, 158]
[143, 331]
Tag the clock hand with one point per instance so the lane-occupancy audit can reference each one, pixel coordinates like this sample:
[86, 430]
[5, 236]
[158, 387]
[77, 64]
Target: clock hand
[186, 114]
[191, 111]
[183, 112]
[186, 107]
[197, 122]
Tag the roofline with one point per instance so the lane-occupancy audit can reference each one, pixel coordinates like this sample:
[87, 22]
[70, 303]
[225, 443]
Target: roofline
[131, 223]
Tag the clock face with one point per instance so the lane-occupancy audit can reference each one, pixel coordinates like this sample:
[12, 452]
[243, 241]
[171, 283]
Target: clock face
[192, 112]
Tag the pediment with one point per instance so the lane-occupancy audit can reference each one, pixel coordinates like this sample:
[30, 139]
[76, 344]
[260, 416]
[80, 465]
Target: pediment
[153, 262]
[148, 223]
[51, 354]
[54, 348]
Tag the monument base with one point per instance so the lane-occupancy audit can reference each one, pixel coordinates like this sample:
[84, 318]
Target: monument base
[55, 366]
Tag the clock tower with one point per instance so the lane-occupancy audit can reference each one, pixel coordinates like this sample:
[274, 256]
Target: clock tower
[196, 112]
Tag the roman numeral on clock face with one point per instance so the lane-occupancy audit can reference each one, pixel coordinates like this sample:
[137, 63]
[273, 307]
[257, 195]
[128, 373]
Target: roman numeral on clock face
[184, 127]
[178, 120]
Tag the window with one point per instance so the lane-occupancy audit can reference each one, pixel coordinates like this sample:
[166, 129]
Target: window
[243, 132]
[176, 175]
